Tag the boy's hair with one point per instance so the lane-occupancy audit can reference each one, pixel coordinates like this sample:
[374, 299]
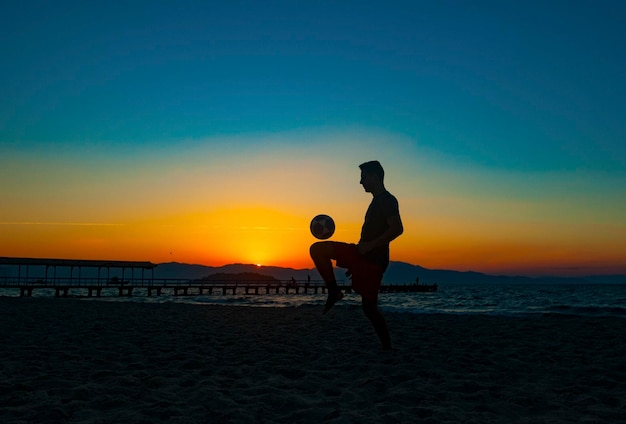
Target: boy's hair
[373, 167]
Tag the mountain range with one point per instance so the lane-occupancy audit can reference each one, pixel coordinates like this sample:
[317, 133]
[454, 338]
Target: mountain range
[398, 272]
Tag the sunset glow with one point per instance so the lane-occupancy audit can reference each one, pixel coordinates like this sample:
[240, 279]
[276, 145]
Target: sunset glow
[195, 141]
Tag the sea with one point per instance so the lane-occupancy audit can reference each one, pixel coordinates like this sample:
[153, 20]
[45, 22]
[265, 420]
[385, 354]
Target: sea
[526, 300]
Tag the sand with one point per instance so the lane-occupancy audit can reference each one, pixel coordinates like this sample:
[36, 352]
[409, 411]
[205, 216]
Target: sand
[94, 361]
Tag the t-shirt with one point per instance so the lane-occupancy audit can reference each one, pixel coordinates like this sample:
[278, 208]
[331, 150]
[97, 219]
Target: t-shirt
[383, 206]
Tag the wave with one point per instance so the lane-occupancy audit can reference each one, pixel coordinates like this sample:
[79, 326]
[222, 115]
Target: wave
[511, 301]
[591, 311]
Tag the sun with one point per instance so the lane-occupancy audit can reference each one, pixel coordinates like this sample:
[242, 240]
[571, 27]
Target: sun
[258, 265]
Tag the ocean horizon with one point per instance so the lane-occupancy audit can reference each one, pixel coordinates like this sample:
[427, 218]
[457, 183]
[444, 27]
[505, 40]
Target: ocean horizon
[503, 299]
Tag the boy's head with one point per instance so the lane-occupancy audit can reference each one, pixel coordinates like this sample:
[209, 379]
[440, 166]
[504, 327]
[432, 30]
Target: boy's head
[372, 175]
[373, 167]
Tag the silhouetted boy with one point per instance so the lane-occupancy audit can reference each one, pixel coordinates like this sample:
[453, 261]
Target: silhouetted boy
[367, 260]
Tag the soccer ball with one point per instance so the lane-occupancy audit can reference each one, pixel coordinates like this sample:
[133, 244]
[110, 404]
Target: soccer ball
[322, 227]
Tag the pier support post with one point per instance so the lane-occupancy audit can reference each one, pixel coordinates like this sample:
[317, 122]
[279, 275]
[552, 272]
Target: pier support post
[96, 290]
[158, 291]
[129, 291]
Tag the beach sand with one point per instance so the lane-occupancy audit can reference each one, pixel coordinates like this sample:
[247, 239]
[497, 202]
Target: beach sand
[94, 361]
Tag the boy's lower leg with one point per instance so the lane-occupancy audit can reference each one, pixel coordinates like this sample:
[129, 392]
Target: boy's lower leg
[370, 308]
[334, 296]
[322, 254]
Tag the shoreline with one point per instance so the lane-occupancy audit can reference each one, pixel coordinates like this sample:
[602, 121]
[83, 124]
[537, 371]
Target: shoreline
[504, 300]
[78, 361]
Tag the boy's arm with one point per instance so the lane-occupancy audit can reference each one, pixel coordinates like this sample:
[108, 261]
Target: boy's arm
[395, 229]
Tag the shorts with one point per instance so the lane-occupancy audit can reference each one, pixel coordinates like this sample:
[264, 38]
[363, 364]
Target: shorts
[366, 276]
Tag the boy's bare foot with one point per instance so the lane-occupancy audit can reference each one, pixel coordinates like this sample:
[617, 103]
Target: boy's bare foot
[334, 296]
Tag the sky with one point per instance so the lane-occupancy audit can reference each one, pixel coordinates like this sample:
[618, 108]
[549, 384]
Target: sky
[212, 132]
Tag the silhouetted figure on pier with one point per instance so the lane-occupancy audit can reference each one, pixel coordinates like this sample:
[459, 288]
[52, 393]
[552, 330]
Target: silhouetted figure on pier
[366, 261]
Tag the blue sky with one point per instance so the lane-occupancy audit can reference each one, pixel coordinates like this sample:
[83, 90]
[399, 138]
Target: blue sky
[536, 85]
[492, 96]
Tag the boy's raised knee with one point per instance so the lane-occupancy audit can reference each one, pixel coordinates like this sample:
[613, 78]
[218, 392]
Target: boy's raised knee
[313, 249]
[320, 249]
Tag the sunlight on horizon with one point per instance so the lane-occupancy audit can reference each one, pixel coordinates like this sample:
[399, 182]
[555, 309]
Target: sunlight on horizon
[194, 206]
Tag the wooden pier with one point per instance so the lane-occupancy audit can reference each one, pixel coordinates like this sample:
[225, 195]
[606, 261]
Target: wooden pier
[127, 288]
[98, 284]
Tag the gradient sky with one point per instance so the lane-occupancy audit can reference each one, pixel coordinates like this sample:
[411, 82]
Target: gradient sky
[212, 132]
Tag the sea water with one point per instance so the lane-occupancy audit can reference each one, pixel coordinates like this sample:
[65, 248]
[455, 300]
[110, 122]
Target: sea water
[486, 299]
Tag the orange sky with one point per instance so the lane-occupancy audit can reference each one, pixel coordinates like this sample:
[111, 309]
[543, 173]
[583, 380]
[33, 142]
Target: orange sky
[212, 133]
[194, 205]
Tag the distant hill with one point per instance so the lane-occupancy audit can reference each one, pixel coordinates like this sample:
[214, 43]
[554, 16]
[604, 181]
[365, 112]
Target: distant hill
[178, 270]
[398, 272]
[240, 276]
